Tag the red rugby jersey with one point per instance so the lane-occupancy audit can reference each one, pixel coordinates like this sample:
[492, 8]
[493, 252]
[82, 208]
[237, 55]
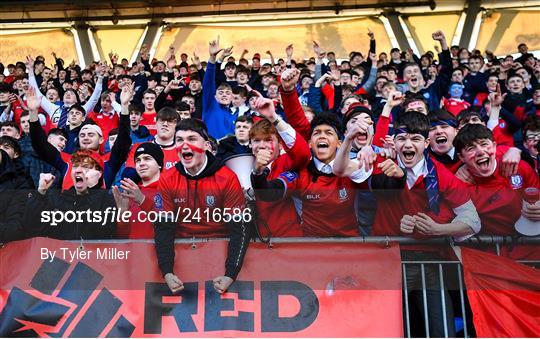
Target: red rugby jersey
[502, 135]
[149, 120]
[326, 203]
[498, 199]
[281, 216]
[105, 122]
[455, 106]
[393, 205]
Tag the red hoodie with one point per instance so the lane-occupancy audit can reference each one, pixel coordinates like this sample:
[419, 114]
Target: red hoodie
[200, 202]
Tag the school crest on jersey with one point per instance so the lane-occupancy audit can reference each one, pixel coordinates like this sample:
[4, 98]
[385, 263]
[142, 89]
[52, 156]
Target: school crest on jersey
[210, 200]
[169, 165]
[289, 176]
[158, 201]
[343, 194]
[516, 181]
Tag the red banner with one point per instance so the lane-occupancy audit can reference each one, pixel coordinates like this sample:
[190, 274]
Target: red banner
[116, 290]
[504, 295]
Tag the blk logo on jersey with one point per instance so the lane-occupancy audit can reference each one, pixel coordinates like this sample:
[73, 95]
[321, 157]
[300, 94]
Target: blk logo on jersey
[516, 181]
[494, 198]
[313, 196]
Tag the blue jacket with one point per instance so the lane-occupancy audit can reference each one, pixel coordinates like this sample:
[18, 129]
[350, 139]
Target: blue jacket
[140, 135]
[218, 118]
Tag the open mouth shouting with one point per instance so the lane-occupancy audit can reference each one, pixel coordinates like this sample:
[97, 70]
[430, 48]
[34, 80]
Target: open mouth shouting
[414, 81]
[362, 138]
[483, 164]
[322, 145]
[79, 178]
[187, 156]
[408, 155]
[441, 140]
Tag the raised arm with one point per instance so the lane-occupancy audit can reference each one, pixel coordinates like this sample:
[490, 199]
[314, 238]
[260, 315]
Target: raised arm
[89, 105]
[120, 150]
[383, 124]
[291, 105]
[344, 166]
[296, 147]
[47, 106]
[43, 148]
[209, 80]
[370, 82]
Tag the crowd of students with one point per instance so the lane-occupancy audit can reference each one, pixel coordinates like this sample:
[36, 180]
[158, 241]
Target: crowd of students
[373, 144]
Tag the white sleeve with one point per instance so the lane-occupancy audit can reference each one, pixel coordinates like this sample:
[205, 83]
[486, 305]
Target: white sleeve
[47, 106]
[42, 119]
[32, 81]
[288, 135]
[468, 215]
[491, 124]
[91, 103]
[117, 107]
[360, 175]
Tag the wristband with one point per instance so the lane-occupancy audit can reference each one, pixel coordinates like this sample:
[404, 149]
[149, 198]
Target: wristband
[276, 122]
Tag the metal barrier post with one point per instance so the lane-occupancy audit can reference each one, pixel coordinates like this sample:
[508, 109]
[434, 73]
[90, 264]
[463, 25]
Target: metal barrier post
[443, 301]
[462, 301]
[424, 299]
[406, 299]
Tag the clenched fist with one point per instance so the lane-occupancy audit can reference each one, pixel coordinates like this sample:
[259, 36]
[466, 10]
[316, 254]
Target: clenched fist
[262, 159]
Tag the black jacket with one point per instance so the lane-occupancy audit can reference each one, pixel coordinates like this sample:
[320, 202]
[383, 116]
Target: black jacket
[15, 185]
[39, 220]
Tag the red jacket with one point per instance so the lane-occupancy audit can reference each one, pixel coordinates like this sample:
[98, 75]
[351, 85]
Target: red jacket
[201, 201]
[294, 113]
